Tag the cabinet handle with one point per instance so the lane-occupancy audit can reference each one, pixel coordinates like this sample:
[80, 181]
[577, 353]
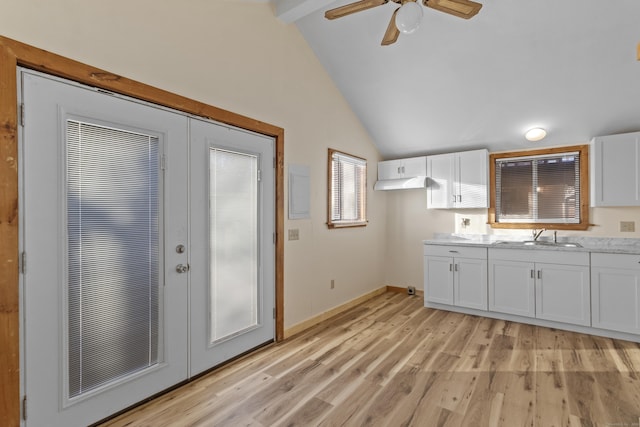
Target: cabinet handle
[532, 274]
[455, 267]
[539, 274]
[399, 170]
[460, 198]
[403, 169]
[453, 252]
[450, 267]
[454, 198]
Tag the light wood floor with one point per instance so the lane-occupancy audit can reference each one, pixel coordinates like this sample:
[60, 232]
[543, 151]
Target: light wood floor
[392, 362]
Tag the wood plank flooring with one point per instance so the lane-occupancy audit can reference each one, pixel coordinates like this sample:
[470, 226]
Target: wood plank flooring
[392, 362]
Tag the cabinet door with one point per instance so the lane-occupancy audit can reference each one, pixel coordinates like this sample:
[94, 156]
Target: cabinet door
[615, 299]
[512, 287]
[414, 166]
[616, 167]
[563, 293]
[438, 279]
[440, 181]
[471, 176]
[470, 283]
[389, 169]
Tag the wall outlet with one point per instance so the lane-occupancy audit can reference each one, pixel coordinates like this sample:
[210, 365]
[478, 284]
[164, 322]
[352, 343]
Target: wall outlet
[628, 226]
[294, 234]
[466, 222]
[411, 290]
[333, 283]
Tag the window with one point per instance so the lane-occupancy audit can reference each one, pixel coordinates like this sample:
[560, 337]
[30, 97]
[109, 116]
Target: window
[347, 201]
[540, 188]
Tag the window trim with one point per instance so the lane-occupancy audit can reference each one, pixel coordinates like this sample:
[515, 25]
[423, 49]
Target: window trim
[584, 224]
[330, 223]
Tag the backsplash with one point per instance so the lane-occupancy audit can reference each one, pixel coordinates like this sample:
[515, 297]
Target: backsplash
[606, 222]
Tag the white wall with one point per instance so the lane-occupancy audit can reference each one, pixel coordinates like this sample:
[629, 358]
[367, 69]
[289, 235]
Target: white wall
[409, 222]
[236, 56]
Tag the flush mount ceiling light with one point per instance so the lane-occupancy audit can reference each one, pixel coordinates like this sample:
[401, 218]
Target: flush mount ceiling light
[535, 134]
[409, 17]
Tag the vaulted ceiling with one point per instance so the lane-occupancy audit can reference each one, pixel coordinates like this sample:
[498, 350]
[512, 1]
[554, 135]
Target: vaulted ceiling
[569, 66]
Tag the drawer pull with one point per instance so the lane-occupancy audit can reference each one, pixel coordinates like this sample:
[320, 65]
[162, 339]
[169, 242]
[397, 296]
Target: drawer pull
[453, 252]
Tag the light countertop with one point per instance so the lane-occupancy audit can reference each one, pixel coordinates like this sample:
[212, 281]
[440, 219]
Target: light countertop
[589, 244]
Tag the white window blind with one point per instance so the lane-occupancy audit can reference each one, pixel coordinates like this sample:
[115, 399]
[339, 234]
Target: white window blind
[113, 250]
[348, 190]
[233, 243]
[543, 189]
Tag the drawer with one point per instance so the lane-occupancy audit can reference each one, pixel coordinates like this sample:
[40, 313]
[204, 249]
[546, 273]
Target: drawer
[615, 260]
[456, 251]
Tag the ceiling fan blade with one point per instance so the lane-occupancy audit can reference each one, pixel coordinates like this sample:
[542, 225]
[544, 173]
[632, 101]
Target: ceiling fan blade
[392, 33]
[461, 8]
[348, 9]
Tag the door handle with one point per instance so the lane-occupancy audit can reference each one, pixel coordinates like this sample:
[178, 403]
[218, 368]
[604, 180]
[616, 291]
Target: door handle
[182, 268]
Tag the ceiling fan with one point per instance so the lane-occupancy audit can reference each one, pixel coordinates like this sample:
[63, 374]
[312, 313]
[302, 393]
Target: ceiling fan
[407, 17]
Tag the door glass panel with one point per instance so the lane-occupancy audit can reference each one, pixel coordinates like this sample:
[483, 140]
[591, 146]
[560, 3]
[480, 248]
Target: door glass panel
[113, 234]
[233, 243]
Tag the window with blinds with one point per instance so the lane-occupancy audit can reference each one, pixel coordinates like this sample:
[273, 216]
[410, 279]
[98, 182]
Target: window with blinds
[347, 190]
[113, 248]
[540, 188]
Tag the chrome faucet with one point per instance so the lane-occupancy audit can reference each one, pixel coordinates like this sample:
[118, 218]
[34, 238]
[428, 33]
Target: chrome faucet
[537, 234]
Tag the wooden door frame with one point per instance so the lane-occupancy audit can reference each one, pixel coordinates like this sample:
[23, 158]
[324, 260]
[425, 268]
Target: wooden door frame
[14, 54]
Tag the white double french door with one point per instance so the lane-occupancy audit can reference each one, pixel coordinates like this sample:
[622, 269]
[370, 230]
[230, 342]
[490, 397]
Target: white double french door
[148, 244]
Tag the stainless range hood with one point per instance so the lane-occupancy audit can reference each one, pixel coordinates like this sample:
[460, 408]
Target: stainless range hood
[401, 183]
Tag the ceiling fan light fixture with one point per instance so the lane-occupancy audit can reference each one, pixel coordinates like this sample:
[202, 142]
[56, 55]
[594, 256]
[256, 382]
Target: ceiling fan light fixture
[535, 134]
[409, 17]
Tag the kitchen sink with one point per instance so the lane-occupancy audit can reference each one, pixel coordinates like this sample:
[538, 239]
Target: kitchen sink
[541, 243]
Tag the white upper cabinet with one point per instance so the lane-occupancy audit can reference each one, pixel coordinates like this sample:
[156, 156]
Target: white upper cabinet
[402, 173]
[440, 181]
[615, 170]
[457, 180]
[402, 168]
[471, 173]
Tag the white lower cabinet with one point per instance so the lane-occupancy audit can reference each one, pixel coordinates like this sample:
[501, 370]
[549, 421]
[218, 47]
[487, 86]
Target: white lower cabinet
[456, 275]
[549, 285]
[470, 283]
[512, 287]
[615, 292]
[438, 279]
[599, 291]
[563, 293]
